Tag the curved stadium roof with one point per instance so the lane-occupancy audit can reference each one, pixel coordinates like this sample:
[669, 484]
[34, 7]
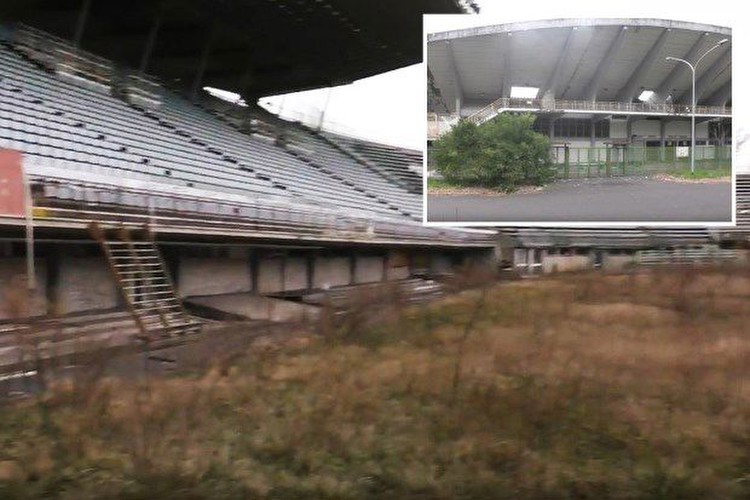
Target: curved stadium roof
[256, 47]
[581, 59]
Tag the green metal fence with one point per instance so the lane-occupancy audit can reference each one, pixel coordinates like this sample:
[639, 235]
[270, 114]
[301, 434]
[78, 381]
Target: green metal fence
[581, 162]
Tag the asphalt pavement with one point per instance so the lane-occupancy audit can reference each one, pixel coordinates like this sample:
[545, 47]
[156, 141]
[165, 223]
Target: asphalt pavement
[624, 199]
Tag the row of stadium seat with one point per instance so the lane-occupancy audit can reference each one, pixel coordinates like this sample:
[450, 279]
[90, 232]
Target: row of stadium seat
[400, 164]
[299, 175]
[100, 133]
[359, 176]
[57, 123]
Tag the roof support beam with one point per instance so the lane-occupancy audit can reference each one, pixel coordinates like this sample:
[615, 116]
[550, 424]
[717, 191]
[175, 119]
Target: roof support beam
[631, 87]
[456, 79]
[152, 34]
[592, 88]
[83, 15]
[554, 79]
[719, 67]
[203, 64]
[665, 87]
[507, 66]
[721, 96]
[721, 70]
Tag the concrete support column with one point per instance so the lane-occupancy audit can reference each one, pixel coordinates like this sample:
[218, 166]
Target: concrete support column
[662, 140]
[552, 129]
[253, 268]
[352, 269]
[152, 35]
[310, 269]
[203, 64]
[83, 15]
[593, 132]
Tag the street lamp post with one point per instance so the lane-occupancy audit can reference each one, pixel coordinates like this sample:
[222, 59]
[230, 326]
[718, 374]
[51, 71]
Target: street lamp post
[692, 107]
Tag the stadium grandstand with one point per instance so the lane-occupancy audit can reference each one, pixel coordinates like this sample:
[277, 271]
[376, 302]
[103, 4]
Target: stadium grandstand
[144, 194]
[613, 95]
[140, 190]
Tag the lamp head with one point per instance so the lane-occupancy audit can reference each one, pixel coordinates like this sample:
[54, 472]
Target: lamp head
[722, 42]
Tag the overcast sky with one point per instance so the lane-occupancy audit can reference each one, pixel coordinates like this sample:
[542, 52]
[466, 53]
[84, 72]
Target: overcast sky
[390, 107]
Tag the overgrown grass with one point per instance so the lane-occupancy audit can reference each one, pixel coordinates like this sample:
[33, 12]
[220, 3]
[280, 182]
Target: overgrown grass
[703, 172]
[582, 386]
[435, 183]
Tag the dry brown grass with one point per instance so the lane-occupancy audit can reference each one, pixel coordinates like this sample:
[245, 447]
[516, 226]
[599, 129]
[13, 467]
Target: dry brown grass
[582, 386]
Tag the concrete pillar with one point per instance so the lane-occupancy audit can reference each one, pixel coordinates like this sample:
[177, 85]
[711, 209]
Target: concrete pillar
[662, 140]
[310, 268]
[83, 15]
[552, 129]
[593, 132]
[398, 265]
[203, 63]
[151, 41]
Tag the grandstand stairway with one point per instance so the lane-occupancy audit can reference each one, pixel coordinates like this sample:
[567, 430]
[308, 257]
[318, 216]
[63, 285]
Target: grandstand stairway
[142, 278]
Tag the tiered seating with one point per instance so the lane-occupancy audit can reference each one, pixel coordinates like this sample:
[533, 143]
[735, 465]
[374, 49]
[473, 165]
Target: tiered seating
[61, 125]
[305, 142]
[58, 124]
[402, 165]
[360, 178]
[289, 169]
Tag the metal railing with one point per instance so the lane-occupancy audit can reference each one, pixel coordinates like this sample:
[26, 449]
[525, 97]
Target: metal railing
[510, 104]
[256, 219]
[587, 162]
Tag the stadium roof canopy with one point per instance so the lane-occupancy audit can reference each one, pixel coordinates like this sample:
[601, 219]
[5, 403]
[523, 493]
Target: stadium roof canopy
[581, 59]
[255, 47]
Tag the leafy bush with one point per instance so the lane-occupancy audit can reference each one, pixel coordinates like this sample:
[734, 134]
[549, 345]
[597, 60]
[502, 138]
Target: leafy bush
[504, 153]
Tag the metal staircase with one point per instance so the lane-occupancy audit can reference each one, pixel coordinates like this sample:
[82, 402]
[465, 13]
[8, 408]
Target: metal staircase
[141, 275]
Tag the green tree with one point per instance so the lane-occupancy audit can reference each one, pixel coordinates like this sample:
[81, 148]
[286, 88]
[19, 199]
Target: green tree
[504, 153]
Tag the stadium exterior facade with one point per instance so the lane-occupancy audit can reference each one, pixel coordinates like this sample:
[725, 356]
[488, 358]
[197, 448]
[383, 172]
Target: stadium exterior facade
[602, 89]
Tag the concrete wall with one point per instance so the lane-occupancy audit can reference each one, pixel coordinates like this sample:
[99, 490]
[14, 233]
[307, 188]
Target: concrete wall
[398, 266]
[440, 264]
[646, 128]
[618, 129]
[681, 128]
[617, 262]
[270, 275]
[13, 298]
[295, 274]
[331, 271]
[368, 269]
[85, 283]
[563, 263]
[213, 276]
[255, 307]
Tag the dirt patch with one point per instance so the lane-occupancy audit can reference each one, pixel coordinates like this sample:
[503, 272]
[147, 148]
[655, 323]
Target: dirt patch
[622, 312]
[478, 191]
[672, 178]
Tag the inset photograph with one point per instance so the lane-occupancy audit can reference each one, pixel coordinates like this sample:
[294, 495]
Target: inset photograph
[580, 120]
